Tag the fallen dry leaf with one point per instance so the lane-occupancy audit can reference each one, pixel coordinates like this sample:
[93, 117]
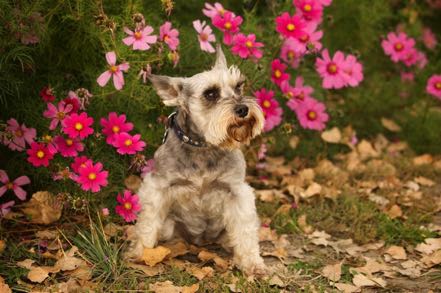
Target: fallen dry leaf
[397, 252]
[361, 280]
[43, 208]
[69, 263]
[220, 262]
[312, 190]
[394, 212]
[133, 182]
[37, 274]
[276, 281]
[390, 125]
[147, 270]
[425, 159]
[153, 256]
[47, 234]
[347, 288]
[332, 272]
[332, 135]
[26, 264]
[2, 246]
[429, 245]
[294, 142]
[177, 248]
[301, 221]
[168, 287]
[432, 259]
[200, 273]
[4, 288]
[366, 150]
[424, 181]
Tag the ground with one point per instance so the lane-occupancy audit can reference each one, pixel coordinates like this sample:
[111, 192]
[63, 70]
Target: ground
[366, 220]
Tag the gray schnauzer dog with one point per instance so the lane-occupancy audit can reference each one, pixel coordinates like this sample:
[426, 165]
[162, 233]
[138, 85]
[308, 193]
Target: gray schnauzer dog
[198, 189]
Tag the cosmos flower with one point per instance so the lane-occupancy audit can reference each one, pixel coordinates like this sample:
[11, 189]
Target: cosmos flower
[5, 208]
[114, 125]
[296, 94]
[72, 99]
[39, 154]
[311, 38]
[18, 135]
[397, 46]
[310, 10]
[92, 177]
[354, 70]
[312, 114]
[434, 86]
[128, 144]
[332, 70]
[246, 46]
[57, 114]
[278, 74]
[148, 167]
[78, 125]
[115, 71]
[429, 38]
[128, 206]
[80, 162]
[47, 94]
[229, 24]
[15, 185]
[292, 52]
[68, 147]
[140, 39]
[213, 10]
[290, 26]
[169, 36]
[270, 107]
[205, 36]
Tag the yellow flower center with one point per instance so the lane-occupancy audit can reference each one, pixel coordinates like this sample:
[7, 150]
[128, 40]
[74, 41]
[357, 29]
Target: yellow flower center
[92, 176]
[438, 85]
[78, 126]
[301, 97]
[60, 115]
[249, 44]
[69, 141]
[266, 104]
[138, 35]
[291, 54]
[203, 37]
[227, 25]
[221, 12]
[332, 68]
[19, 133]
[277, 73]
[82, 165]
[307, 8]
[304, 38]
[128, 142]
[128, 206]
[398, 46]
[166, 38]
[9, 185]
[290, 27]
[47, 138]
[312, 115]
[115, 129]
[113, 68]
[40, 154]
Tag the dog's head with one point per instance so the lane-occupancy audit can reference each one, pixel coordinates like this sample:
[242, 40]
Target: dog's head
[215, 103]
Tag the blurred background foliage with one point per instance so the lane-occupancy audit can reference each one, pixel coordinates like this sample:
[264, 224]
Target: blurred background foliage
[73, 36]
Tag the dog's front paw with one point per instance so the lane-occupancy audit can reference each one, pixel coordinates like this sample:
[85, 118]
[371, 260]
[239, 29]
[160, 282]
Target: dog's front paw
[135, 251]
[252, 267]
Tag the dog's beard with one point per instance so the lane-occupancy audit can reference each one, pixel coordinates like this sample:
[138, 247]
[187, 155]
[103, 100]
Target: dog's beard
[241, 130]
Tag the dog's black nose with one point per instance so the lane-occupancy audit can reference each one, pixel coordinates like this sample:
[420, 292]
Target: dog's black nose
[241, 111]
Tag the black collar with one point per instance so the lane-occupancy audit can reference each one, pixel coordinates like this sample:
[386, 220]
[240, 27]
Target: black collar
[182, 136]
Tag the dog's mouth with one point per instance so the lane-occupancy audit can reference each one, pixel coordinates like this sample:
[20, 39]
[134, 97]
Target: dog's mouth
[242, 130]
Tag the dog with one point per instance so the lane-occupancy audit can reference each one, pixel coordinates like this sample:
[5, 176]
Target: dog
[198, 189]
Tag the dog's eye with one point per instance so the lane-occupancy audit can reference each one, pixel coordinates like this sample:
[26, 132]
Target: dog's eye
[211, 94]
[239, 87]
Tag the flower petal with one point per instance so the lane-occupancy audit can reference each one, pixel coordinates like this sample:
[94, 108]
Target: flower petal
[104, 78]
[111, 57]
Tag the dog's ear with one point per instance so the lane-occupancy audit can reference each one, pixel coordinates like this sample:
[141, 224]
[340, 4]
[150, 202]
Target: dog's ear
[221, 61]
[168, 88]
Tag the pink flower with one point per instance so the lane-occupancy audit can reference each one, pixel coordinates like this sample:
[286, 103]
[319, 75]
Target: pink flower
[292, 52]
[311, 114]
[105, 212]
[429, 38]
[148, 168]
[49, 141]
[13, 185]
[72, 99]
[68, 147]
[270, 107]
[325, 2]
[91, 177]
[169, 35]
[57, 114]
[128, 206]
[127, 144]
[290, 26]
[19, 135]
[212, 11]
[310, 10]
[39, 154]
[114, 70]
[397, 46]
[47, 95]
[278, 74]
[228, 24]
[79, 163]
[246, 46]
[140, 39]
[5, 208]
[64, 174]
[434, 86]
[332, 70]
[78, 125]
[311, 38]
[297, 94]
[261, 153]
[114, 125]
[205, 36]
[407, 76]
[354, 71]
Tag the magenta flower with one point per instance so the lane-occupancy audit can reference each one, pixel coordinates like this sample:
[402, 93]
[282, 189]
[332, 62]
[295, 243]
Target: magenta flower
[79, 163]
[169, 35]
[105, 212]
[270, 107]
[127, 144]
[140, 39]
[205, 36]
[128, 206]
[68, 147]
[213, 10]
[39, 154]
[397, 46]
[354, 71]
[246, 46]
[78, 125]
[91, 177]
[18, 135]
[229, 24]
[278, 74]
[114, 70]
[148, 167]
[290, 26]
[310, 10]
[407, 76]
[47, 94]
[311, 38]
[57, 114]
[429, 38]
[114, 125]
[13, 185]
[312, 114]
[434, 86]
[292, 52]
[332, 70]
[5, 208]
[325, 2]
[72, 99]
[296, 94]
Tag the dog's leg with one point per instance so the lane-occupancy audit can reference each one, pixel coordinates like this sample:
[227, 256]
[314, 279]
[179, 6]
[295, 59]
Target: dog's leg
[155, 207]
[242, 226]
